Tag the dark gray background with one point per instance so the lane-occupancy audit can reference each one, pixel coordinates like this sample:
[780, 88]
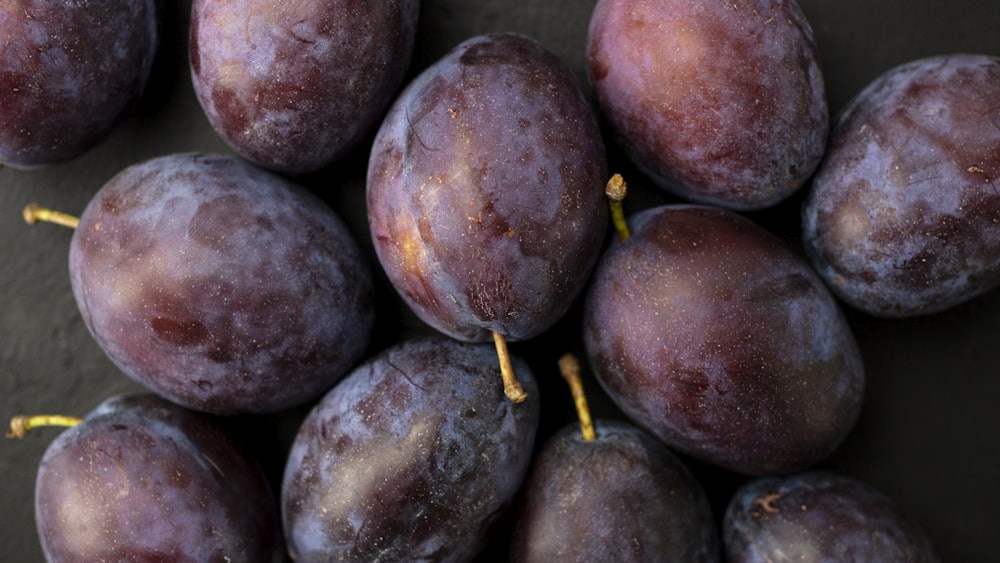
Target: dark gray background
[927, 435]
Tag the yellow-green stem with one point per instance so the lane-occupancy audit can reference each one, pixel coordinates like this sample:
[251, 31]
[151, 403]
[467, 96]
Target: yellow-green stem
[569, 367]
[34, 213]
[615, 191]
[511, 386]
[21, 425]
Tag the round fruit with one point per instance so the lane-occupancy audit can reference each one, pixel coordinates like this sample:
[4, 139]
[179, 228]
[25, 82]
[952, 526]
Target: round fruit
[142, 479]
[903, 217]
[70, 72]
[622, 496]
[822, 517]
[221, 286]
[415, 456]
[295, 86]
[710, 332]
[719, 102]
[486, 190]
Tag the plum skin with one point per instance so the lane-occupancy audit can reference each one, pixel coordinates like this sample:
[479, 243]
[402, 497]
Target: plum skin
[485, 190]
[708, 331]
[719, 102]
[413, 456]
[820, 516]
[296, 86]
[221, 286]
[142, 479]
[623, 496]
[71, 72]
[903, 217]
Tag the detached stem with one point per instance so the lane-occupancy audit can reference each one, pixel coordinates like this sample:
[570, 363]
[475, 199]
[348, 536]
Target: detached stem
[569, 367]
[616, 190]
[34, 213]
[21, 425]
[511, 386]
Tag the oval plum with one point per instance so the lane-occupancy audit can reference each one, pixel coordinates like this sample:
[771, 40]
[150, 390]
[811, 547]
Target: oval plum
[709, 331]
[903, 217]
[71, 71]
[295, 86]
[415, 456]
[623, 496]
[221, 286]
[143, 479]
[486, 190]
[822, 517]
[719, 102]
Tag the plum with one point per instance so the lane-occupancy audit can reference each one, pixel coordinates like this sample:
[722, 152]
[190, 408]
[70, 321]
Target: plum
[143, 479]
[903, 217]
[823, 517]
[485, 190]
[623, 496]
[221, 286]
[415, 456]
[609, 491]
[71, 72]
[295, 86]
[718, 102]
[710, 332]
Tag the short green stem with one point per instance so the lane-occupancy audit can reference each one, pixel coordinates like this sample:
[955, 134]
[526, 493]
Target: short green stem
[34, 213]
[569, 367]
[511, 386]
[616, 190]
[21, 425]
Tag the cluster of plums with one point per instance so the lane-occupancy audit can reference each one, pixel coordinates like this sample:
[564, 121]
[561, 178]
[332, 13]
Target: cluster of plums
[226, 288]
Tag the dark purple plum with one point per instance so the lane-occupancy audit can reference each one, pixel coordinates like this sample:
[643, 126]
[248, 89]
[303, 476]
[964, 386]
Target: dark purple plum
[486, 190]
[415, 456]
[143, 479]
[903, 217]
[822, 517]
[71, 72]
[622, 496]
[709, 331]
[221, 286]
[719, 102]
[295, 86]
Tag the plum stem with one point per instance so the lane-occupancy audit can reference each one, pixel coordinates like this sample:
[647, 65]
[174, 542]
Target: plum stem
[616, 190]
[22, 424]
[34, 213]
[569, 367]
[511, 386]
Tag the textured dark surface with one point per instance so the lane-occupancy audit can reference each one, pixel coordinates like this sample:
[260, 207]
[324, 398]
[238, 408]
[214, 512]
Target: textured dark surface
[926, 435]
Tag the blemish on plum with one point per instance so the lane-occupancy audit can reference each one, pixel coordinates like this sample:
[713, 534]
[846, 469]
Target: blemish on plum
[182, 333]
